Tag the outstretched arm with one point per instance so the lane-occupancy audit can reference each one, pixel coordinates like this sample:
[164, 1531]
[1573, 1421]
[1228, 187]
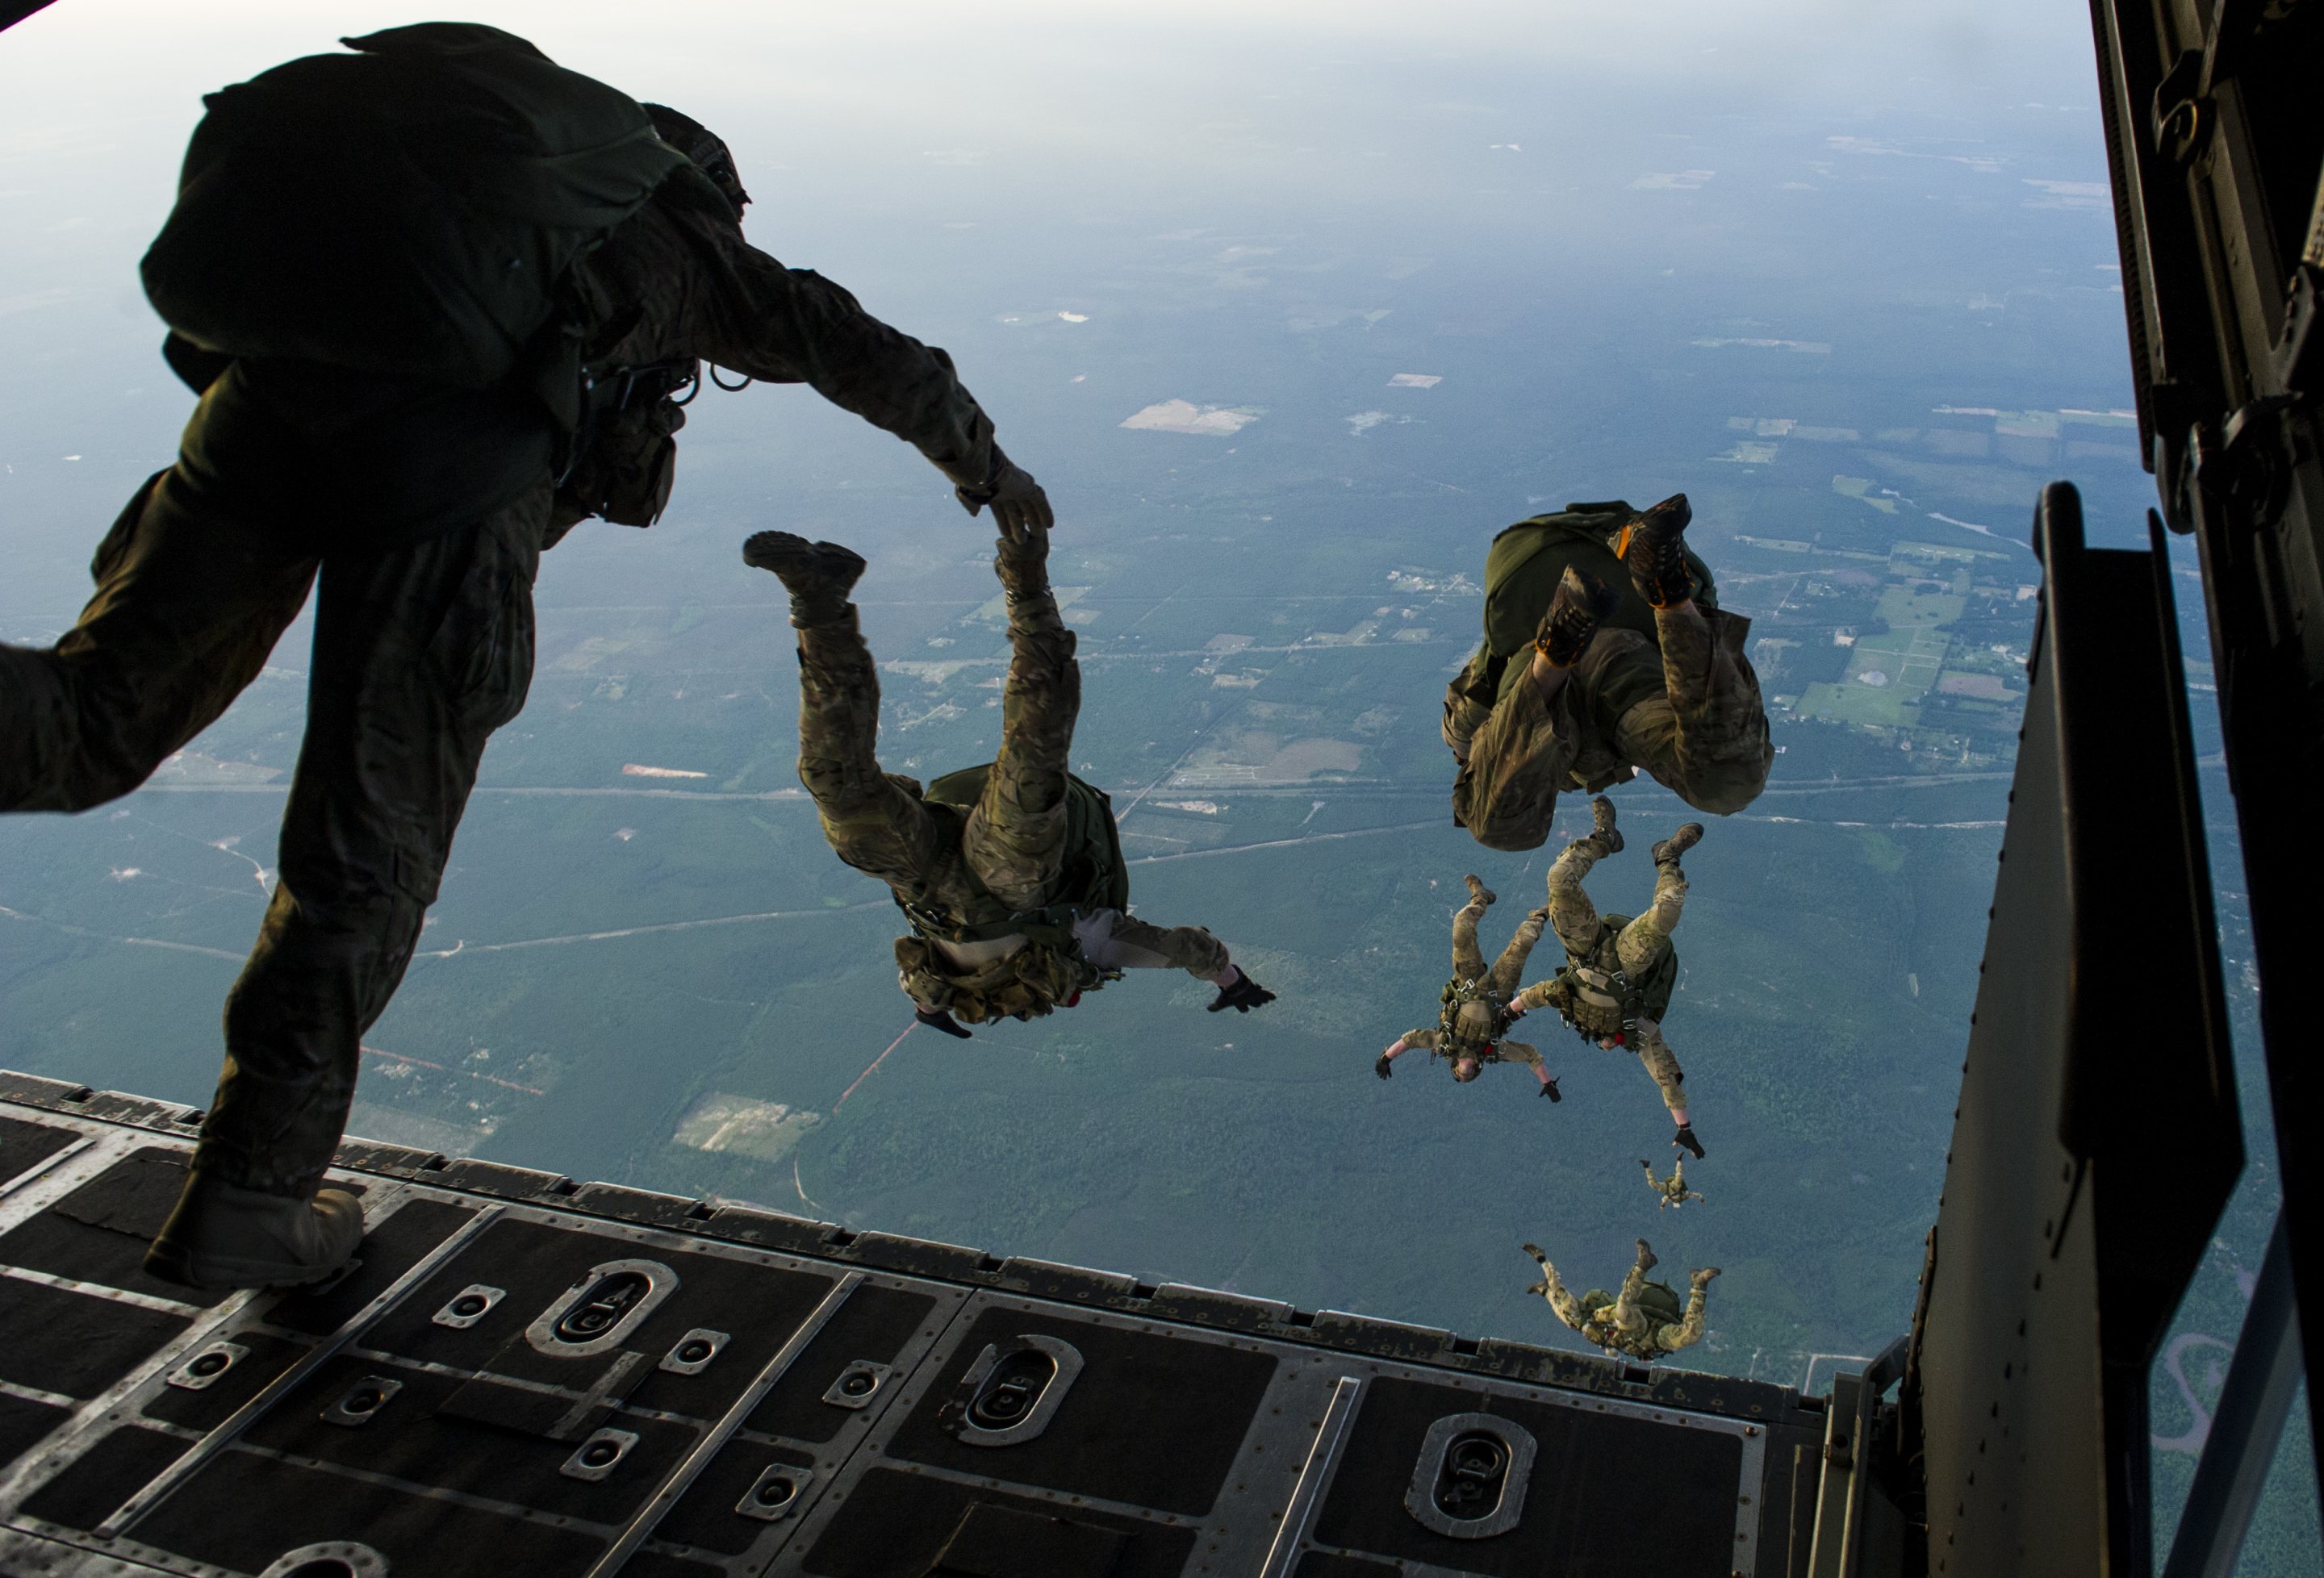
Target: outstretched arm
[1519, 1052]
[707, 292]
[1129, 943]
[1410, 1040]
[1545, 992]
[793, 325]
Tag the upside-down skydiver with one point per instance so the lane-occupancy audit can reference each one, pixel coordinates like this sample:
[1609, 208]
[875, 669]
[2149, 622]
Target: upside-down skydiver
[1011, 874]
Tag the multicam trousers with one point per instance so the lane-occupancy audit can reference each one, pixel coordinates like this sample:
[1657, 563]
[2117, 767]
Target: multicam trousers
[1482, 1016]
[420, 653]
[1011, 845]
[1500, 982]
[1624, 1325]
[1641, 946]
[1704, 736]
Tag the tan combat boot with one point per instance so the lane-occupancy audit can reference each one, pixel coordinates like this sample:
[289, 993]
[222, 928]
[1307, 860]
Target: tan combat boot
[223, 1236]
[1649, 548]
[1688, 836]
[1582, 603]
[1602, 830]
[817, 575]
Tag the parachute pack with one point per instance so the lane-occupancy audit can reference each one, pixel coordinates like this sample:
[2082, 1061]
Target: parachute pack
[1657, 1301]
[408, 209]
[1049, 971]
[1526, 562]
[1457, 994]
[1522, 570]
[1645, 997]
[1091, 876]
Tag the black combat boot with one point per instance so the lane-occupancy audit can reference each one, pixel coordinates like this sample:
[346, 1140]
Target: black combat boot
[1582, 603]
[937, 1019]
[817, 575]
[1650, 547]
[1243, 996]
[223, 1236]
[1688, 836]
[1479, 893]
[1685, 1136]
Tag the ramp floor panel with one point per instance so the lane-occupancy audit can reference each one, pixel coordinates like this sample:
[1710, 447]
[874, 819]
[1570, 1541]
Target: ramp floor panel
[522, 1376]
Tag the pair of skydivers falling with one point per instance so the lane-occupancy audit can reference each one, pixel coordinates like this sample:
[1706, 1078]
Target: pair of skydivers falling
[441, 300]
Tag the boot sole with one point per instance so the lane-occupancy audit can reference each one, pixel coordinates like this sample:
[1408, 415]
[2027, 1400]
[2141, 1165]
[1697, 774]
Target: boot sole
[183, 1269]
[778, 551]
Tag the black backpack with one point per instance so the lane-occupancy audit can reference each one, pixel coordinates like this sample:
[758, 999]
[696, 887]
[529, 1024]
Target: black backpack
[410, 209]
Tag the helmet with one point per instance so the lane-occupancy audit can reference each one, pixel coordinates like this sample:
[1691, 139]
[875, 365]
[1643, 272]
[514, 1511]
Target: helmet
[699, 143]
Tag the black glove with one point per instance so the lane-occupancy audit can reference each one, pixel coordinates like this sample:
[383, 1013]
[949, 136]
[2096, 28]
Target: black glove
[1685, 1136]
[937, 1019]
[1243, 996]
[1382, 1067]
[1551, 1091]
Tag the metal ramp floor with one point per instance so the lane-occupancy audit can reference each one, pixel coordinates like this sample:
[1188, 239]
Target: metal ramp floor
[522, 1375]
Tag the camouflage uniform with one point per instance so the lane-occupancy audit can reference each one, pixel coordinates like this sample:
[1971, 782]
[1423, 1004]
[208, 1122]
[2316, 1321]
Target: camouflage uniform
[1641, 946]
[1670, 1193]
[1684, 705]
[1482, 1013]
[1002, 857]
[1625, 1324]
[1500, 1049]
[421, 514]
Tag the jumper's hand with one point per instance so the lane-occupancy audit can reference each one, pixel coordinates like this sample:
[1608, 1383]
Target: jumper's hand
[1243, 996]
[1383, 1067]
[1017, 500]
[1549, 1089]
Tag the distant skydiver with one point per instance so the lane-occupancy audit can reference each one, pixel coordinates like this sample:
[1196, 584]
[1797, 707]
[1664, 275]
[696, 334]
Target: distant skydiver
[1011, 874]
[1604, 651]
[1671, 1193]
[1618, 973]
[1474, 1009]
[437, 297]
[1643, 1321]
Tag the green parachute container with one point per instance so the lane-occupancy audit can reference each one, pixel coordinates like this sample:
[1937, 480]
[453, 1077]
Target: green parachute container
[410, 209]
[1658, 1301]
[1528, 560]
[1094, 877]
[1522, 570]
